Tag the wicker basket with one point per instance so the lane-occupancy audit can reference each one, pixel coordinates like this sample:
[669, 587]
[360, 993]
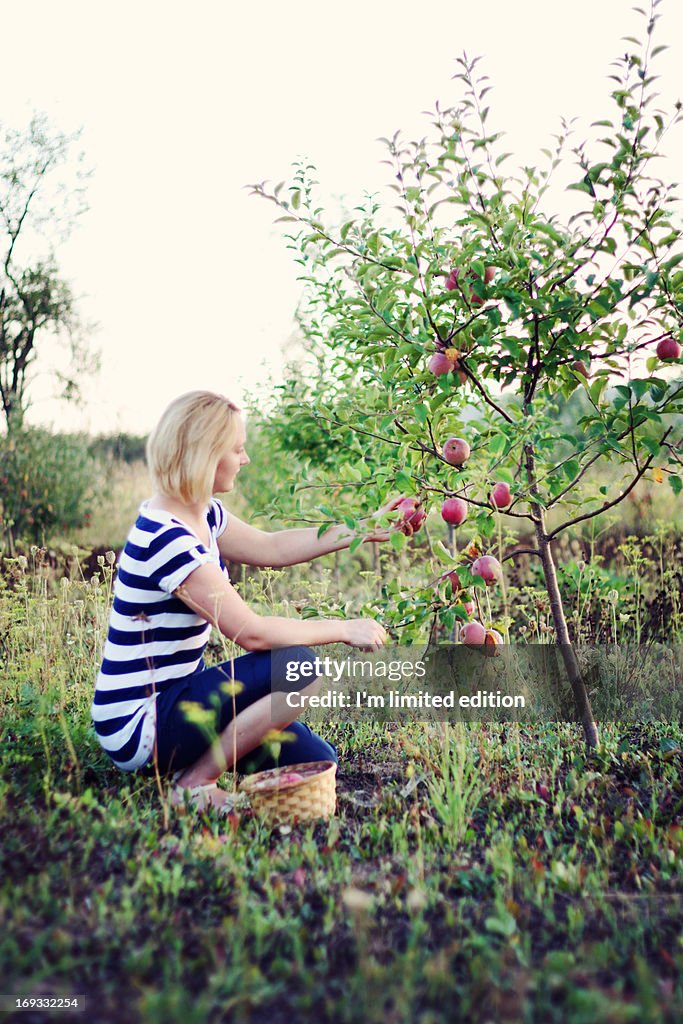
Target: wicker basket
[277, 802]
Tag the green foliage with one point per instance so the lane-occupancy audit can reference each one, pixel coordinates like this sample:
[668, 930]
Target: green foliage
[534, 310]
[47, 483]
[457, 786]
[123, 447]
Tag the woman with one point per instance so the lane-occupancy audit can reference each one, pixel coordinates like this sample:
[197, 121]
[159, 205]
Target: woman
[155, 702]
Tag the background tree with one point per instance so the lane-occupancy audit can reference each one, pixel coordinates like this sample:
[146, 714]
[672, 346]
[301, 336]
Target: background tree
[466, 295]
[39, 207]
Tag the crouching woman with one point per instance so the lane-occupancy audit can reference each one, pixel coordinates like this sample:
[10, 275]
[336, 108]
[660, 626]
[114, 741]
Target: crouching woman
[172, 587]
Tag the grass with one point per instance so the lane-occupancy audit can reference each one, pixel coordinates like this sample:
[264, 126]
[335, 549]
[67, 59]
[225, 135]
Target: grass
[476, 872]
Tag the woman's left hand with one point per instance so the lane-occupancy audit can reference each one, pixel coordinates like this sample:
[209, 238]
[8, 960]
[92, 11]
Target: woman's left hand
[380, 533]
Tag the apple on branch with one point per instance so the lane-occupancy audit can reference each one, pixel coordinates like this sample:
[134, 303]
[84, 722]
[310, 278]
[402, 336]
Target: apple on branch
[456, 451]
[489, 568]
[413, 515]
[454, 511]
[472, 633]
[493, 642]
[668, 349]
[501, 496]
[453, 283]
[443, 362]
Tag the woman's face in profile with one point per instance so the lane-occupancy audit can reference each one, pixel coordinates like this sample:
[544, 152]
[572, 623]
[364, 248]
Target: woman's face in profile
[233, 457]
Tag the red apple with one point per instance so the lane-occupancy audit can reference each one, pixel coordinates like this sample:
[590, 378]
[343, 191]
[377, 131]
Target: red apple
[472, 633]
[454, 355]
[413, 514]
[468, 293]
[290, 777]
[500, 495]
[456, 451]
[454, 511]
[493, 642]
[489, 568]
[440, 364]
[444, 362]
[452, 280]
[468, 606]
[579, 367]
[669, 348]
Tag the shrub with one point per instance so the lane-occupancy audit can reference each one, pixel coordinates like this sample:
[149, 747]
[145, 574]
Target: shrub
[122, 447]
[47, 483]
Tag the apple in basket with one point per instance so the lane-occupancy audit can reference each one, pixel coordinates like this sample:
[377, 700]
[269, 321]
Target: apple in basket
[288, 777]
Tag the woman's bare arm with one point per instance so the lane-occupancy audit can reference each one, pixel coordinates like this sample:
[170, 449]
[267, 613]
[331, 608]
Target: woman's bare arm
[208, 593]
[241, 542]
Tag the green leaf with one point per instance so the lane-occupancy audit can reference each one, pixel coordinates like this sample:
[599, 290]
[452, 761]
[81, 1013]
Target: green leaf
[583, 186]
[673, 262]
[355, 544]
[440, 399]
[651, 445]
[443, 554]
[676, 484]
[486, 525]
[398, 541]
[496, 445]
[596, 389]
[503, 924]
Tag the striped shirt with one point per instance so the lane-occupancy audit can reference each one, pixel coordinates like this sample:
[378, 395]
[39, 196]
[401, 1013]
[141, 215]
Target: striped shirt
[154, 639]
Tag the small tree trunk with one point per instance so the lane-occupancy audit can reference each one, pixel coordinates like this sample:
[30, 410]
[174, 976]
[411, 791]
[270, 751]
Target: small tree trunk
[451, 547]
[571, 664]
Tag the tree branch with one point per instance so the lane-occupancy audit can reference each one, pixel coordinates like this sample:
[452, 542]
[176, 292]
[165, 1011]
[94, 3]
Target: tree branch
[608, 504]
[480, 387]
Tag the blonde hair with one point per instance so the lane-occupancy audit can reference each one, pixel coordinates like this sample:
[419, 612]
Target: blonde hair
[184, 448]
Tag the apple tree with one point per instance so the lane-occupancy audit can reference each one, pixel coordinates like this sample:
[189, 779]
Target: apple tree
[464, 309]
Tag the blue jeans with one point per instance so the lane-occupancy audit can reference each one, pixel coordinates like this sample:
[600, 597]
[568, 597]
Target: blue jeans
[181, 741]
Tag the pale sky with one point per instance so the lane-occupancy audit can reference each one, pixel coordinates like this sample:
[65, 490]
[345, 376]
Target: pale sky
[182, 105]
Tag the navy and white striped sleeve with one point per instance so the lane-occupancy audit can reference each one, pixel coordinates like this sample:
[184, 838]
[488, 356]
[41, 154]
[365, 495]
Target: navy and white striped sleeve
[181, 554]
[220, 515]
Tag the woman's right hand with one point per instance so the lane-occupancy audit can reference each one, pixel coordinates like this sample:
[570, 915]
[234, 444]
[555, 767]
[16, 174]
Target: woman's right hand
[367, 634]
